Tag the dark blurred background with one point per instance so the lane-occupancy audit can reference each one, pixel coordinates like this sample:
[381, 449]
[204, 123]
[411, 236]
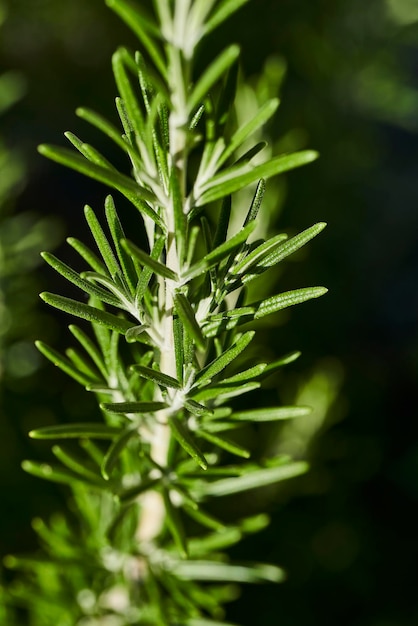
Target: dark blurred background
[346, 533]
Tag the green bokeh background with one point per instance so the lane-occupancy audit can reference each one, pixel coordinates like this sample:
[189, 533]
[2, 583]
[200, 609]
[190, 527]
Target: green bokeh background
[347, 534]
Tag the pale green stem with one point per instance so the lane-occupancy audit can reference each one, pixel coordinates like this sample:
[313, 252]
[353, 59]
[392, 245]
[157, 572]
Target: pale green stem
[153, 511]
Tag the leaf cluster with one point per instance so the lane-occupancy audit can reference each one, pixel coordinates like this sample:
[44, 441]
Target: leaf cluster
[169, 328]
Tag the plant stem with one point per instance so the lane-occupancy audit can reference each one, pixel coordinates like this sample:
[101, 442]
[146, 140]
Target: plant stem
[153, 509]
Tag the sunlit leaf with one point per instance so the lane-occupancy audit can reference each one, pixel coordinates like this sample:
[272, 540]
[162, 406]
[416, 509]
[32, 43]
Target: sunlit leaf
[75, 431]
[211, 75]
[286, 299]
[224, 9]
[187, 317]
[220, 363]
[233, 179]
[115, 450]
[87, 312]
[216, 571]
[156, 376]
[186, 440]
[255, 479]
[270, 415]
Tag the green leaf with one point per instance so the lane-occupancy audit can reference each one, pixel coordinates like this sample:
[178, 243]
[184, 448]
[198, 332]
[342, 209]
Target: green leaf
[211, 75]
[115, 450]
[219, 253]
[257, 254]
[223, 222]
[225, 444]
[102, 242]
[285, 249]
[174, 523]
[249, 374]
[116, 230]
[87, 312]
[133, 407]
[246, 130]
[147, 272]
[208, 622]
[178, 337]
[214, 542]
[64, 364]
[183, 436]
[132, 493]
[224, 9]
[256, 201]
[89, 256]
[88, 152]
[90, 348]
[130, 101]
[102, 124]
[284, 360]
[234, 179]
[93, 450]
[113, 179]
[219, 426]
[74, 278]
[117, 287]
[199, 11]
[223, 391]
[217, 571]
[54, 473]
[156, 376]
[271, 414]
[77, 465]
[225, 106]
[221, 362]
[255, 479]
[215, 324]
[81, 361]
[180, 221]
[76, 431]
[195, 408]
[137, 19]
[286, 299]
[188, 319]
[204, 518]
[148, 261]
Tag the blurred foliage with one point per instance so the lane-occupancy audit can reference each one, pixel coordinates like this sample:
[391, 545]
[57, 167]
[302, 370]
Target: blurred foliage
[351, 92]
[23, 234]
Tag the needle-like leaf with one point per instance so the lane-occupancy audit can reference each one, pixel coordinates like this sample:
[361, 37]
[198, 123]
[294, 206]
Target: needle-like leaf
[255, 479]
[87, 312]
[148, 261]
[115, 450]
[233, 179]
[188, 319]
[157, 377]
[75, 431]
[270, 415]
[286, 299]
[224, 9]
[64, 364]
[133, 407]
[213, 73]
[221, 362]
[187, 442]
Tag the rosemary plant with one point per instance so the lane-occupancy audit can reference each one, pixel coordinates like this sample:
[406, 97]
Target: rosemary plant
[165, 353]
